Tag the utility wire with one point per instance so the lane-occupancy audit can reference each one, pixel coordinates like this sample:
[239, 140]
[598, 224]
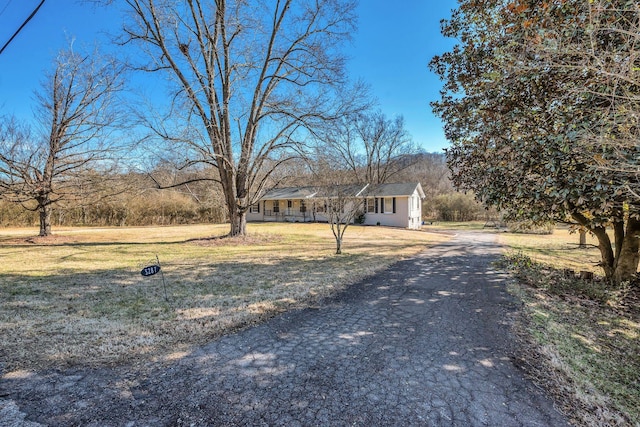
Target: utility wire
[5, 7]
[22, 26]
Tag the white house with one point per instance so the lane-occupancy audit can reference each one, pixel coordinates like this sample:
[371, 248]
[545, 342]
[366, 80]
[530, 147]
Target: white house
[395, 205]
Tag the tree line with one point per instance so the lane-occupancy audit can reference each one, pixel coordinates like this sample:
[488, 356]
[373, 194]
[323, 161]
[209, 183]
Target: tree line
[140, 201]
[140, 204]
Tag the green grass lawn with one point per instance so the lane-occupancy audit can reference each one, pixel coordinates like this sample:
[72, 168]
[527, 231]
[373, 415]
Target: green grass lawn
[79, 298]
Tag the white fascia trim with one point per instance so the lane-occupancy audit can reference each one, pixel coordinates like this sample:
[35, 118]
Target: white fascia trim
[360, 192]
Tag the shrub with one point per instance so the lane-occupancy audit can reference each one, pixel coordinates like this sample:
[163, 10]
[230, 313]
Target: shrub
[457, 207]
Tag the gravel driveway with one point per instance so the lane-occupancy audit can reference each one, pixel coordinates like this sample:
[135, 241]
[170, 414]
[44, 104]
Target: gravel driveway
[424, 343]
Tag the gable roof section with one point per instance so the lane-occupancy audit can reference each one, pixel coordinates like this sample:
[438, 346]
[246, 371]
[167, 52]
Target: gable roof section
[344, 190]
[394, 190]
[352, 190]
[290, 193]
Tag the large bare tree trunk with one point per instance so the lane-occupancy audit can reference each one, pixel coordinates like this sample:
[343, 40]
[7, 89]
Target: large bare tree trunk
[238, 224]
[45, 220]
[626, 265]
[235, 204]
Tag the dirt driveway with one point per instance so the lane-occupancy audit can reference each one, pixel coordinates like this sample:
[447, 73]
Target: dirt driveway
[424, 343]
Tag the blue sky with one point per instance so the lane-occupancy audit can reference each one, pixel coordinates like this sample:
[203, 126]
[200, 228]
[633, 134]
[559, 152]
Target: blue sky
[391, 50]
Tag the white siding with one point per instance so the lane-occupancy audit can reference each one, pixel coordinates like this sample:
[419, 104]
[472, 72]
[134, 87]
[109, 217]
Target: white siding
[398, 219]
[408, 211]
[415, 211]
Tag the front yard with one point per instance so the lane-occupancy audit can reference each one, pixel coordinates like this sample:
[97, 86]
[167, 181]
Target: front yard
[79, 298]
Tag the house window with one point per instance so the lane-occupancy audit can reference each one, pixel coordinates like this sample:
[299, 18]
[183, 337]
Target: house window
[289, 204]
[388, 205]
[276, 206]
[371, 205]
[303, 206]
[254, 208]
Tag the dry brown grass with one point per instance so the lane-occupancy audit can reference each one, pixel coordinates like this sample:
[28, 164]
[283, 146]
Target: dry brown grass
[582, 338]
[79, 298]
[559, 250]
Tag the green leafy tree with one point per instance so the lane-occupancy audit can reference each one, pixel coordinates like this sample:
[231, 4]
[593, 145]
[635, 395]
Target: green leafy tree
[527, 107]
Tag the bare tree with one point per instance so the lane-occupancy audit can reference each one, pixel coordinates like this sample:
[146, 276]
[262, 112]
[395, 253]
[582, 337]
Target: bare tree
[249, 77]
[45, 163]
[373, 147]
[431, 170]
[341, 204]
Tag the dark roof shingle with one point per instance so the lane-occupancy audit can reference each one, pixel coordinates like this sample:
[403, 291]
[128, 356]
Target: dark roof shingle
[353, 190]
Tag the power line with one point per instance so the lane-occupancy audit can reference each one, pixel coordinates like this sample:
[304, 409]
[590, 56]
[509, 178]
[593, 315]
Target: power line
[22, 26]
[5, 7]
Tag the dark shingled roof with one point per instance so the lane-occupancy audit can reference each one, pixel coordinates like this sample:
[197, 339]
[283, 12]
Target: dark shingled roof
[290, 193]
[343, 190]
[354, 190]
[393, 190]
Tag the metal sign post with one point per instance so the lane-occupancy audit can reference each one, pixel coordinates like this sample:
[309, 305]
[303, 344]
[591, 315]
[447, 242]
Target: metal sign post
[154, 269]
